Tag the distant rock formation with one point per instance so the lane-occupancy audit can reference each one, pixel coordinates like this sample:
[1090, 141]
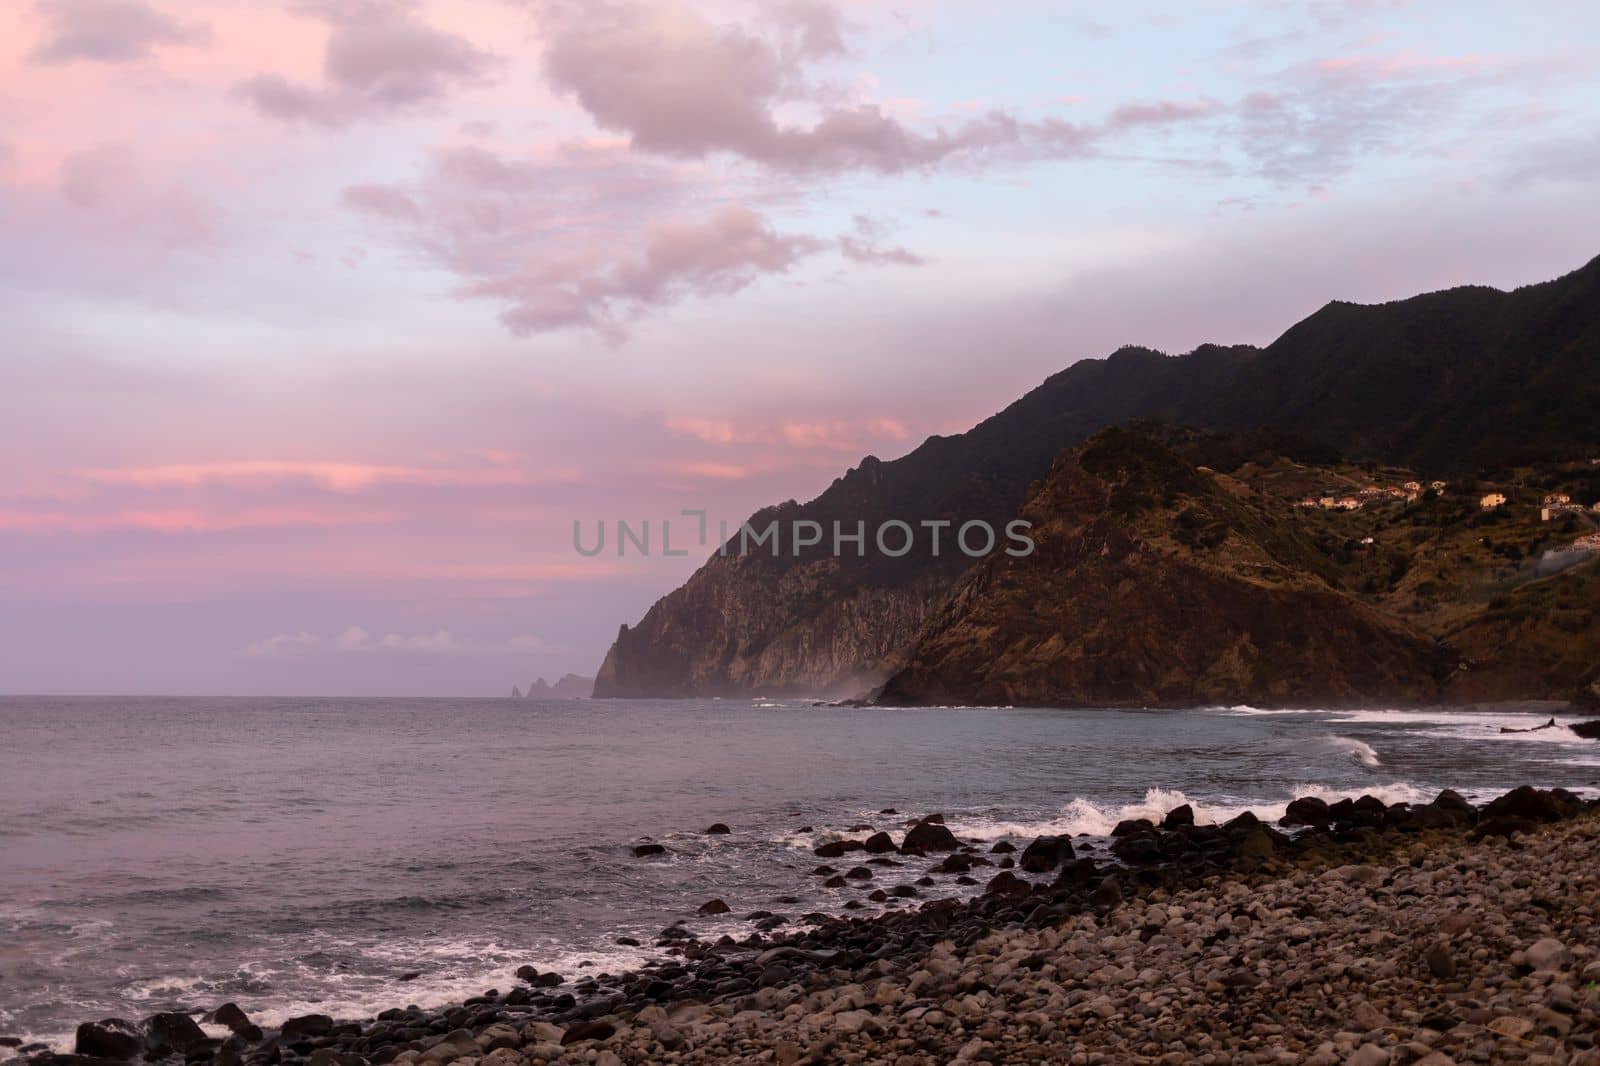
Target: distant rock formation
[516, 693]
[570, 687]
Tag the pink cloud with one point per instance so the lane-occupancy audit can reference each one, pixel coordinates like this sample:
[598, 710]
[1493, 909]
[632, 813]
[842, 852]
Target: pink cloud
[379, 59]
[109, 31]
[339, 477]
[677, 84]
[715, 257]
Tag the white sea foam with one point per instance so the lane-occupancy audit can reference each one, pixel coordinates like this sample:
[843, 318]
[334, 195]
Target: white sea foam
[1359, 750]
[1086, 816]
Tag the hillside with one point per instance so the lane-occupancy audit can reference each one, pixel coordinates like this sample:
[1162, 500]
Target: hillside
[1448, 383]
[1153, 584]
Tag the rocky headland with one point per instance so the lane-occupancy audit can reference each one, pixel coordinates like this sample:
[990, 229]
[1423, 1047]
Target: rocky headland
[1489, 391]
[1353, 933]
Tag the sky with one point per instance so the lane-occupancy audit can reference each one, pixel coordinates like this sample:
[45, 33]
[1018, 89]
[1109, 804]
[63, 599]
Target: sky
[322, 322]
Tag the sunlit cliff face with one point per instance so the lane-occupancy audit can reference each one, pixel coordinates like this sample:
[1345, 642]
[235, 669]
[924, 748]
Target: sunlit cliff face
[324, 321]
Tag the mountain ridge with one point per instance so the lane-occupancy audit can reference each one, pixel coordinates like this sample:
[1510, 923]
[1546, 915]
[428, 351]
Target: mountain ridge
[1448, 382]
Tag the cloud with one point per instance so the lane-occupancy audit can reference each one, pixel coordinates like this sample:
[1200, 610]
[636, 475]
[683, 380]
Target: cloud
[677, 84]
[865, 245]
[384, 201]
[715, 257]
[335, 476]
[379, 60]
[109, 31]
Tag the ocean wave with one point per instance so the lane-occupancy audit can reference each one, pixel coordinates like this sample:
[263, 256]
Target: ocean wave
[1359, 750]
[1083, 816]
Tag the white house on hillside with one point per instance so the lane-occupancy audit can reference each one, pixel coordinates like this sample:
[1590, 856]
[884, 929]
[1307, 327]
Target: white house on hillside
[1493, 500]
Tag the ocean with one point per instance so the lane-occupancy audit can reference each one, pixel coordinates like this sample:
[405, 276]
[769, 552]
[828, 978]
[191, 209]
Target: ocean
[345, 856]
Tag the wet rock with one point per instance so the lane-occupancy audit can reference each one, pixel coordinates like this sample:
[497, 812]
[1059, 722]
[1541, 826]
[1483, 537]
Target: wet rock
[879, 844]
[1179, 818]
[1045, 854]
[717, 829]
[172, 1031]
[714, 906]
[837, 848]
[1002, 847]
[1308, 811]
[109, 1038]
[585, 1031]
[1534, 805]
[928, 836]
[1006, 883]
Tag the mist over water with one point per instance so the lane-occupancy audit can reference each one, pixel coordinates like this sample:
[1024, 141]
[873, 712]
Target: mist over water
[306, 854]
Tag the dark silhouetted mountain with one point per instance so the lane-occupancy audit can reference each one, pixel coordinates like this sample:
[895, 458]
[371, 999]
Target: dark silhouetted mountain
[1461, 380]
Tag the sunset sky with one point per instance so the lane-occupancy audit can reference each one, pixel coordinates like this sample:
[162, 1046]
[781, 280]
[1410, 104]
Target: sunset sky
[324, 320]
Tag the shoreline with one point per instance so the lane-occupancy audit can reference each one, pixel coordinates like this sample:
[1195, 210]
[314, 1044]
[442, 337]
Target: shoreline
[782, 998]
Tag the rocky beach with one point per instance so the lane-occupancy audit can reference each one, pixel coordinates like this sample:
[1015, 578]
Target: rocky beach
[1358, 932]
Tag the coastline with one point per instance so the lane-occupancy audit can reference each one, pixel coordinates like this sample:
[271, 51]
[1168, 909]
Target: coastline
[1351, 933]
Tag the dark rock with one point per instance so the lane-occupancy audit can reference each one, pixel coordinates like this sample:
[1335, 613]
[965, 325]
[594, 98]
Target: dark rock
[1134, 827]
[549, 980]
[1045, 854]
[527, 973]
[954, 863]
[928, 836]
[307, 1025]
[1241, 823]
[1587, 730]
[172, 1031]
[1441, 962]
[1535, 805]
[627, 942]
[110, 1038]
[879, 844]
[1107, 893]
[1307, 810]
[1179, 818]
[858, 873]
[412, 976]
[836, 881]
[644, 851]
[232, 1016]
[717, 829]
[579, 1032]
[1006, 883]
[714, 906]
[835, 849]
[1002, 847]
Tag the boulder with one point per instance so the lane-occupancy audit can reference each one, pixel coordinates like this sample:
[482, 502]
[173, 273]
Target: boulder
[172, 1031]
[714, 906]
[1006, 883]
[230, 1015]
[644, 851]
[717, 829]
[582, 1031]
[928, 836]
[307, 1025]
[1045, 854]
[1130, 827]
[1535, 805]
[109, 1038]
[1307, 810]
[1179, 818]
[879, 844]
[835, 849]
